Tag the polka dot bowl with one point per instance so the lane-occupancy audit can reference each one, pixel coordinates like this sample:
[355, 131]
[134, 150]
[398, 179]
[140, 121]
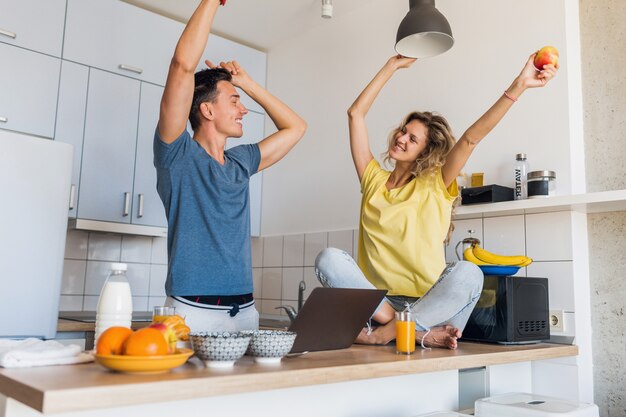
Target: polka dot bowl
[219, 349]
[269, 346]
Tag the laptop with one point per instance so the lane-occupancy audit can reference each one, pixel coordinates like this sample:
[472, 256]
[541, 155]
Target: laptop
[332, 318]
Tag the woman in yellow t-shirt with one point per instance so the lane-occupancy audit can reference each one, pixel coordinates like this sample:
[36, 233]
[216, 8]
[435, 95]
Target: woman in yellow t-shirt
[405, 215]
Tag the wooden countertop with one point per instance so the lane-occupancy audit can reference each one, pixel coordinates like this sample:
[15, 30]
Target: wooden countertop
[55, 389]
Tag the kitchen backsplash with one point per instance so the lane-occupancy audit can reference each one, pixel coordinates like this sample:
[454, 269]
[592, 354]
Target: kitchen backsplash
[281, 262]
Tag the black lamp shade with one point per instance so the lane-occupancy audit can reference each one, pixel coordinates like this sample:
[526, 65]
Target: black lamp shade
[424, 32]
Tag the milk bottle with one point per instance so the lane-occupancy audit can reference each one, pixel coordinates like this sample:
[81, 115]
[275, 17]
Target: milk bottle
[115, 306]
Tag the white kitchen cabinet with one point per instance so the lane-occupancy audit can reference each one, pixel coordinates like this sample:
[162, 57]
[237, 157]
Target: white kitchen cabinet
[147, 206]
[33, 24]
[121, 38]
[28, 90]
[253, 132]
[70, 120]
[108, 162]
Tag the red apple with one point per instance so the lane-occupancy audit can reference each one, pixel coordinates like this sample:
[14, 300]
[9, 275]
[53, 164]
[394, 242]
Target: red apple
[546, 56]
[168, 334]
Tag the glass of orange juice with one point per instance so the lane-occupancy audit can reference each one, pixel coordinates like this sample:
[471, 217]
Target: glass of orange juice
[161, 313]
[405, 332]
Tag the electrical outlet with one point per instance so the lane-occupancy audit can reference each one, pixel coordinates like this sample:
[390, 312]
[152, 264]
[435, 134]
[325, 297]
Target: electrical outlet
[557, 323]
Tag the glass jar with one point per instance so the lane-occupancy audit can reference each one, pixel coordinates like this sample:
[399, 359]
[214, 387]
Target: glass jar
[541, 184]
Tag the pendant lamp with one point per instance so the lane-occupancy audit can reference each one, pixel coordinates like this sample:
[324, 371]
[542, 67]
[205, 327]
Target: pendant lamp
[424, 32]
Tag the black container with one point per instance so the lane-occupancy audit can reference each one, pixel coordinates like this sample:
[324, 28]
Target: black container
[511, 310]
[486, 194]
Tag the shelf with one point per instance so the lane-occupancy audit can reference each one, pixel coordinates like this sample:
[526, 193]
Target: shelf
[599, 202]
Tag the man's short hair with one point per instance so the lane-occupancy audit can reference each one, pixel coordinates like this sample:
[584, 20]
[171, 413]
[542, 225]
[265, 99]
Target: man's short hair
[206, 90]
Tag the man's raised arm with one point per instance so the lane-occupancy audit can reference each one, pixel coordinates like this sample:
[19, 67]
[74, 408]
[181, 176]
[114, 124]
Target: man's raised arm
[178, 94]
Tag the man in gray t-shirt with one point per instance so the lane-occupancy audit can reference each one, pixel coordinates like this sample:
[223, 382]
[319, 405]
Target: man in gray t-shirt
[204, 188]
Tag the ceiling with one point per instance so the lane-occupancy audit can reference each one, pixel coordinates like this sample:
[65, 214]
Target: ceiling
[262, 24]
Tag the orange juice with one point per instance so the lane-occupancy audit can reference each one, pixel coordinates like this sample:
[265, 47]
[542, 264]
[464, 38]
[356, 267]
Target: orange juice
[405, 337]
[161, 313]
[159, 319]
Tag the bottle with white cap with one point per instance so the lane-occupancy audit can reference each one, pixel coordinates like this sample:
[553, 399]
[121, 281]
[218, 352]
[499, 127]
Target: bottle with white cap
[115, 305]
[520, 191]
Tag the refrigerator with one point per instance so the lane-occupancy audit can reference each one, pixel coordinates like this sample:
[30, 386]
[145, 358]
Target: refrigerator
[34, 196]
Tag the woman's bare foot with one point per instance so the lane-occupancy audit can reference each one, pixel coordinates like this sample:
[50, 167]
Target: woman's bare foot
[381, 335]
[440, 337]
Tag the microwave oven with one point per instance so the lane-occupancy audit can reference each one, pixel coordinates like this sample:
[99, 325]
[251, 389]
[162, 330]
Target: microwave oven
[510, 310]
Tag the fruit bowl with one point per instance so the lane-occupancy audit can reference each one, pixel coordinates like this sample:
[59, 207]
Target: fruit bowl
[500, 270]
[144, 364]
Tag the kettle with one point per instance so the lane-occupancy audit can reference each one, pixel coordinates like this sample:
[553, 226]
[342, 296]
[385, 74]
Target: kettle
[466, 243]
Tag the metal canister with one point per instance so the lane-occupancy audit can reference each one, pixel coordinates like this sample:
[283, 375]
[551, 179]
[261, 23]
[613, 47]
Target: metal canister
[541, 184]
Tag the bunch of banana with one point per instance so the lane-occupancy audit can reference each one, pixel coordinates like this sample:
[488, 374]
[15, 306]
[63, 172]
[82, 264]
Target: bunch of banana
[479, 256]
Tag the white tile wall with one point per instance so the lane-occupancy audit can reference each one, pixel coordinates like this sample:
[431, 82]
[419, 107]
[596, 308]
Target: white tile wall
[549, 236]
[88, 256]
[293, 250]
[159, 251]
[76, 244]
[504, 235]
[314, 243]
[341, 239]
[158, 274]
[273, 251]
[257, 252]
[257, 278]
[104, 247]
[281, 262]
[136, 249]
[291, 280]
[73, 282]
[272, 283]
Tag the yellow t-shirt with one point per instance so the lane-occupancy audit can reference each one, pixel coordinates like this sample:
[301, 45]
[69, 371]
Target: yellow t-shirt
[402, 230]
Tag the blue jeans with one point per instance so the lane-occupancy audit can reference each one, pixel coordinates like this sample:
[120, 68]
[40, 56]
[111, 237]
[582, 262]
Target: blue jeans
[449, 301]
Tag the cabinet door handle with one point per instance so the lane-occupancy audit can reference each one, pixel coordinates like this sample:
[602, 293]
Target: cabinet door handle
[3, 119]
[131, 69]
[72, 196]
[126, 204]
[140, 210]
[11, 35]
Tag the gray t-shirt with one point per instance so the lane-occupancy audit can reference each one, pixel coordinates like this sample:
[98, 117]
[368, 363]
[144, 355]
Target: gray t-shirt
[208, 214]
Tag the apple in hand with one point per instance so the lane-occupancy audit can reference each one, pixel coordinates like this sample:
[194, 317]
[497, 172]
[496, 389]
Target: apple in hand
[168, 334]
[545, 56]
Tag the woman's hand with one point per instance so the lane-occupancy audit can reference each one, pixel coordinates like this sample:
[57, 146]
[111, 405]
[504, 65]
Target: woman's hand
[398, 61]
[240, 76]
[532, 78]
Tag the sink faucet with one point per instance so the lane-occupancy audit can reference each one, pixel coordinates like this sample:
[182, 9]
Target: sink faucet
[301, 288]
[292, 312]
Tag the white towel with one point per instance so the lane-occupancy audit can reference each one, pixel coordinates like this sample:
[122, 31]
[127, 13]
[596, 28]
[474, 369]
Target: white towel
[35, 352]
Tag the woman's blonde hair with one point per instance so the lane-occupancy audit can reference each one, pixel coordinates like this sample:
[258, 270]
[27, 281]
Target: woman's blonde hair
[438, 144]
[439, 141]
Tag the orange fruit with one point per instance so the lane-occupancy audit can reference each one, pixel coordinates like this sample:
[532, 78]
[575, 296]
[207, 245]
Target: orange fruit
[111, 341]
[146, 342]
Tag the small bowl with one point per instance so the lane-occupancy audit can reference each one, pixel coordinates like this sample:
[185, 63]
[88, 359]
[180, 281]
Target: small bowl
[270, 346]
[219, 349]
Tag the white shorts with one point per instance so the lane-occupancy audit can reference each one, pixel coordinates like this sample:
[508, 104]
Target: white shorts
[212, 318]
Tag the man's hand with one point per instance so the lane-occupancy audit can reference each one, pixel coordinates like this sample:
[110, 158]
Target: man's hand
[241, 78]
